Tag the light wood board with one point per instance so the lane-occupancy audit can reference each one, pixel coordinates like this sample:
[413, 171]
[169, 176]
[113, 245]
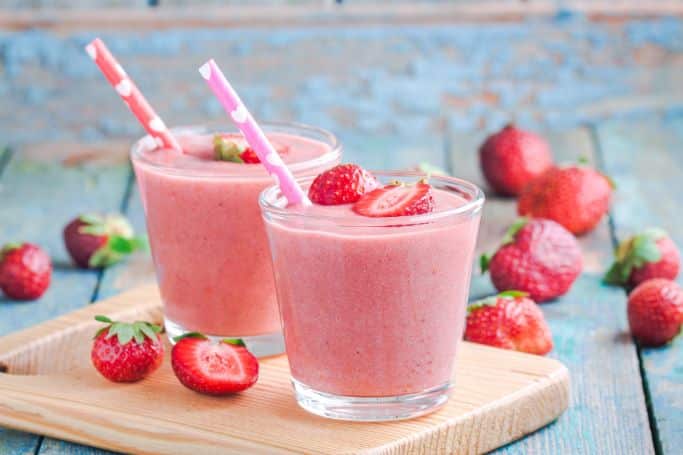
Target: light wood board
[49, 387]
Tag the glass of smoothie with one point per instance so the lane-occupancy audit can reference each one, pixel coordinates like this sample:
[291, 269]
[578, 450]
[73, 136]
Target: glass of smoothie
[206, 232]
[373, 308]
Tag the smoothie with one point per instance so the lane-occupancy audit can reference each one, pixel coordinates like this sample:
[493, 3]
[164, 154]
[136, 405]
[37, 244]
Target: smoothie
[206, 233]
[373, 307]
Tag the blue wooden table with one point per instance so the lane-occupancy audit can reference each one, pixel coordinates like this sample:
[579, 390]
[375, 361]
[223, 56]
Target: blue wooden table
[610, 90]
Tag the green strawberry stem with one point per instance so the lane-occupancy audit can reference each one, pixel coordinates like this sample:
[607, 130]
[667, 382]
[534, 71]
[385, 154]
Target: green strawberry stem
[126, 332]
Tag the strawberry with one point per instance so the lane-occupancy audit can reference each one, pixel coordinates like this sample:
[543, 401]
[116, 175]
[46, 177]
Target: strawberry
[537, 256]
[396, 199]
[650, 254]
[249, 156]
[227, 148]
[125, 352]
[655, 311]
[213, 368]
[577, 197]
[95, 241]
[343, 184]
[509, 320]
[25, 271]
[512, 157]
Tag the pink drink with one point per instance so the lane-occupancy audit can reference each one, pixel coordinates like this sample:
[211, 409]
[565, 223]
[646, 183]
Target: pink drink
[207, 236]
[374, 308]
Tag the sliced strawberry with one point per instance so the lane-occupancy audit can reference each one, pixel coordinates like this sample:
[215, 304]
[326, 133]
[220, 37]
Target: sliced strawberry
[343, 184]
[249, 156]
[213, 368]
[396, 200]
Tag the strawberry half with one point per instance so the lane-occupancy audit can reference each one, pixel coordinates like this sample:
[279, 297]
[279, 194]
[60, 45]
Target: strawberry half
[213, 368]
[343, 184]
[397, 199]
[124, 352]
[95, 241]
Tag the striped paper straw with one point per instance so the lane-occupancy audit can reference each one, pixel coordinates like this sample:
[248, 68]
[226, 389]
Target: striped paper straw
[130, 94]
[252, 133]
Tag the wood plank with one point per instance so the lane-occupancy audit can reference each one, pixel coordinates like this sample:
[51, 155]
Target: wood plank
[42, 187]
[500, 395]
[586, 326]
[646, 161]
[321, 14]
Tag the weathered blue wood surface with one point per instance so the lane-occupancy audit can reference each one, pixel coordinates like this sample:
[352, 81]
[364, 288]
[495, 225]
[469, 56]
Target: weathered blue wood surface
[395, 97]
[647, 164]
[586, 324]
[41, 188]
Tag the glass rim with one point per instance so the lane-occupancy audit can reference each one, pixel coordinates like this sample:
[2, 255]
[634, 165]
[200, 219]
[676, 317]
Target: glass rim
[257, 172]
[470, 207]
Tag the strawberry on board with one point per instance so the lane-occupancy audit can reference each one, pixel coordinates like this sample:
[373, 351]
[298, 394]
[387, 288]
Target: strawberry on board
[509, 320]
[537, 256]
[127, 352]
[397, 199]
[343, 184]
[575, 196]
[213, 368]
[649, 254]
[96, 241]
[512, 157]
[655, 311]
[25, 271]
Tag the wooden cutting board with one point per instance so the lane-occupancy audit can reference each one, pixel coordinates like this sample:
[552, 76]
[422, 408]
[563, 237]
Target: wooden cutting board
[50, 388]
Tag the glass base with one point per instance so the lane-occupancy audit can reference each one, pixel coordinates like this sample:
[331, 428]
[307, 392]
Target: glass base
[260, 345]
[370, 409]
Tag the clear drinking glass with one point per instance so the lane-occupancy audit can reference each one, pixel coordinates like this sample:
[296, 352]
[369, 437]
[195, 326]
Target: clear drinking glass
[373, 309]
[207, 235]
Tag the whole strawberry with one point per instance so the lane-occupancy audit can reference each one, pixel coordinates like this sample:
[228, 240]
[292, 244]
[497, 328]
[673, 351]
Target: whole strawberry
[95, 241]
[537, 256]
[655, 311]
[512, 157]
[213, 368]
[25, 271]
[509, 320]
[124, 352]
[650, 254]
[343, 184]
[577, 197]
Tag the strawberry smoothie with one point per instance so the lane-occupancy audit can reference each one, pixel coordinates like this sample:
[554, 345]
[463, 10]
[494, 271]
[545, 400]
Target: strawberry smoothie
[207, 236]
[373, 309]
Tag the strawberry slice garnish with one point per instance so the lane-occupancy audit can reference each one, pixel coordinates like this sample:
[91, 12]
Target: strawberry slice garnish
[213, 368]
[343, 184]
[397, 199]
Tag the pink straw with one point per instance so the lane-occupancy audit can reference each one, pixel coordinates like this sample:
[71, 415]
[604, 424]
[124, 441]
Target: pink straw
[130, 94]
[252, 133]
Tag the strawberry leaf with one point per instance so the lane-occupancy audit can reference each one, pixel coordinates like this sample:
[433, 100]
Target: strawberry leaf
[190, 335]
[488, 301]
[234, 341]
[91, 218]
[513, 294]
[123, 332]
[226, 150]
[93, 229]
[633, 253]
[9, 247]
[583, 160]
[126, 245]
[105, 319]
[514, 229]
[484, 262]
